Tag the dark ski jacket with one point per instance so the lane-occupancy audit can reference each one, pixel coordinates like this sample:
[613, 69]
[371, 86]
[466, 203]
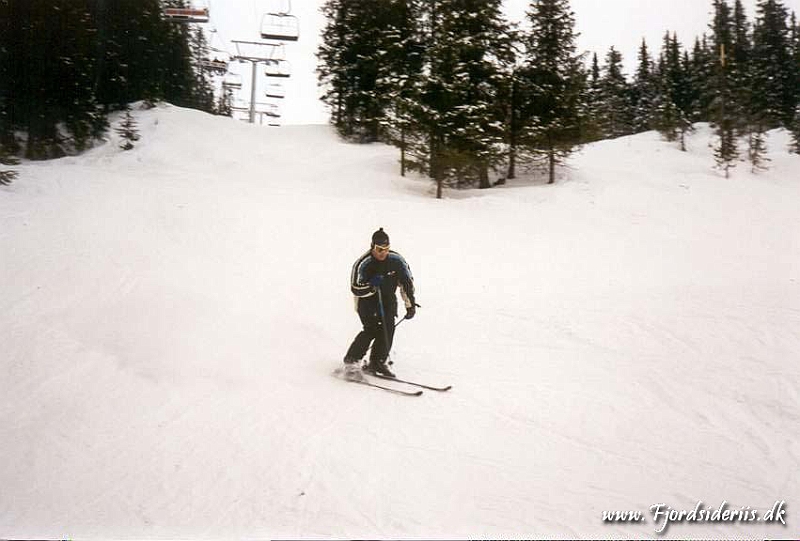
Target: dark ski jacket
[395, 271]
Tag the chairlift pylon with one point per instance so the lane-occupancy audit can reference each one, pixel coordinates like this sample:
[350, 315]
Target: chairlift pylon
[280, 26]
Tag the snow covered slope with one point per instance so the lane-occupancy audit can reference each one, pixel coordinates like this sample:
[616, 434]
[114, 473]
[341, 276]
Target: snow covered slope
[170, 318]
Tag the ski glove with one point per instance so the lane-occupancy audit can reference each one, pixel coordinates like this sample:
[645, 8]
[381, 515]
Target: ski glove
[376, 280]
[411, 312]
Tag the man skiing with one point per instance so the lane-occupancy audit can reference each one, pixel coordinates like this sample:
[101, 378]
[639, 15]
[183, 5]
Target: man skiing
[374, 281]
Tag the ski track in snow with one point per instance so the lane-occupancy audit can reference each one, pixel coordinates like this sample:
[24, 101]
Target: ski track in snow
[170, 318]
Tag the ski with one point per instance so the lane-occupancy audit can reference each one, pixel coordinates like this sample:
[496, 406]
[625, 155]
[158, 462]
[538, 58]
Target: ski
[414, 383]
[358, 377]
[389, 389]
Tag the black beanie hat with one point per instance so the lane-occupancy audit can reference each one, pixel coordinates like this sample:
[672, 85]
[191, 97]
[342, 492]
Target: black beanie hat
[380, 238]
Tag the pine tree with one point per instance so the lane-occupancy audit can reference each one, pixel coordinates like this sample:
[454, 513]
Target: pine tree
[773, 72]
[592, 128]
[7, 140]
[400, 71]
[677, 94]
[726, 111]
[459, 117]
[701, 69]
[794, 128]
[615, 97]
[644, 91]
[726, 152]
[553, 75]
[64, 64]
[794, 145]
[666, 117]
[365, 63]
[128, 131]
[7, 175]
[757, 150]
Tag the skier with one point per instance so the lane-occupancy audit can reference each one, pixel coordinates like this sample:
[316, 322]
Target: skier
[373, 281]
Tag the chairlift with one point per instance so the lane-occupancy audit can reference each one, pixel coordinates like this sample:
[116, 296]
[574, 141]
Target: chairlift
[216, 66]
[186, 15]
[275, 90]
[278, 68]
[280, 26]
[232, 81]
[281, 7]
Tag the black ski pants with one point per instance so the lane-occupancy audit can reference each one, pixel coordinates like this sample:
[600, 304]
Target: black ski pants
[373, 330]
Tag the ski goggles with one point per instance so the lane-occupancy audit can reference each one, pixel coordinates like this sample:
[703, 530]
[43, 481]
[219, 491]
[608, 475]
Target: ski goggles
[381, 249]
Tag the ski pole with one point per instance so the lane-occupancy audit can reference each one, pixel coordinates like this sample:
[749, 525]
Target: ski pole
[383, 324]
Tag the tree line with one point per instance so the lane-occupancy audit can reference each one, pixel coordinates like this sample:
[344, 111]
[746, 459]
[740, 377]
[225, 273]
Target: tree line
[66, 64]
[463, 92]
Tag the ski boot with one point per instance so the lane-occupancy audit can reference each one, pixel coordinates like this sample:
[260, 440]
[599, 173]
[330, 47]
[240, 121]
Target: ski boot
[351, 369]
[378, 367]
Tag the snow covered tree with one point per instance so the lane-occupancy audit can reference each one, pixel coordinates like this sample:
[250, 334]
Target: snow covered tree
[676, 94]
[773, 72]
[64, 64]
[794, 127]
[7, 175]
[467, 62]
[399, 76]
[592, 129]
[700, 70]
[794, 145]
[552, 76]
[644, 91]
[365, 58]
[128, 131]
[616, 111]
[756, 151]
[726, 152]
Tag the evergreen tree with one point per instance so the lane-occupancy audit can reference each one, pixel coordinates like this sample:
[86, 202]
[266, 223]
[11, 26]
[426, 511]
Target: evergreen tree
[741, 52]
[552, 74]
[677, 95]
[467, 63]
[7, 175]
[399, 77]
[615, 97]
[726, 111]
[644, 94]
[726, 152]
[757, 150]
[364, 62]
[794, 128]
[7, 141]
[128, 130]
[773, 73]
[700, 73]
[64, 64]
[593, 129]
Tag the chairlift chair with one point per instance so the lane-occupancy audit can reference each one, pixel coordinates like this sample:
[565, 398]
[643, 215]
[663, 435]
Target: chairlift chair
[275, 90]
[283, 7]
[278, 68]
[186, 15]
[216, 66]
[232, 81]
[280, 26]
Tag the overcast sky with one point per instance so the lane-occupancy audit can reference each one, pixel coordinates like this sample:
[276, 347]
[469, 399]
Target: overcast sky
[601, 24]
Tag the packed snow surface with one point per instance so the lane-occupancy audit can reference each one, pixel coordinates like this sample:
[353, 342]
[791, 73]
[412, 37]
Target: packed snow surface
[170, 318]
